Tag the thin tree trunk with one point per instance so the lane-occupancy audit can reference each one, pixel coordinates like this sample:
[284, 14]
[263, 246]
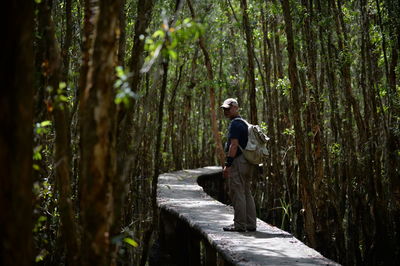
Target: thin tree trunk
[157, 151]
[144, 12]
[304, 183]
[272, 106]
[171, 132]
[250, 59]
[158, 163]
[349, 166]
[345, 69]
[126, 115]
[16, 137]
[62, 157]
[314, 112]
[67, 40]
[122, 36]
[210, 76]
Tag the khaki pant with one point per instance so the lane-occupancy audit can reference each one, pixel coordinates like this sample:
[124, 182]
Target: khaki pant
[240, 194]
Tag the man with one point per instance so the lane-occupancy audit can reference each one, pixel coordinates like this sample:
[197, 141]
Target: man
[238, 171]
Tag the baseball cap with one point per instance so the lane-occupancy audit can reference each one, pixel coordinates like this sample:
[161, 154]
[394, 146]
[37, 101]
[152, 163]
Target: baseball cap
[229, 102]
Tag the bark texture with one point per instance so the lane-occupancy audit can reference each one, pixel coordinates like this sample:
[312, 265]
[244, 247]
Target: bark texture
[16, 137]
[98, 129]
[52, 77]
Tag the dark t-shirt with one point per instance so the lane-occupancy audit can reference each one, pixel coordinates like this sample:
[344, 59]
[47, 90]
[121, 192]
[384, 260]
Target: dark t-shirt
[237, 130]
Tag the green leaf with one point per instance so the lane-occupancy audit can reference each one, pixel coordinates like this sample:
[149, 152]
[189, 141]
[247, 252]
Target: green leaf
[131, 242]
[120, 71]
[173, 54]
[117, 101]
[63, 98]
[62, 85]
[159, 33]
[37, 156]
[45, 123]
[43, 253]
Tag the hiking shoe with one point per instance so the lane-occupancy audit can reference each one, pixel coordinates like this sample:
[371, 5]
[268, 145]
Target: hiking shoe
[231, 228]
[250, 229]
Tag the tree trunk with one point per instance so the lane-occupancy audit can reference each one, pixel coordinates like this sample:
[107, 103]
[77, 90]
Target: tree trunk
[144, 12]
[171, 131]
[157, 151]
[296, 105]
[158, 163]
[122, 36]
[315, 126]
[90, 19]
[67, 40]
[98, 129]
[62, 158]
[126, 115]
[250, 57]
[345, 70]
[210, 76]
[16, 137]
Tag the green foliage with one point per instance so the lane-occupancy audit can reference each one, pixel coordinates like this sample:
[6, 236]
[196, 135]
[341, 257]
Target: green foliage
[166, 40]
[36, 153]
[41, 256]
[289, 131]
[264, 126]
[124, 92]
[61, 97]
[382, 91]
[43, 190]
[39, 223]
[274, 8]
[60, 93]
[286, 212]
[124, 241]
[46, 220]
[42, 128]
[131, 242]
[283, 84]
[335, 149]
[45, 214]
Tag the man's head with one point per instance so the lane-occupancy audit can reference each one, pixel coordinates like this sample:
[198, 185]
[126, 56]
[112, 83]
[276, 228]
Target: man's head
[231, 108]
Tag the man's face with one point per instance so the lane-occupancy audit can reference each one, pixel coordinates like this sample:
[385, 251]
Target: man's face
[230, 112]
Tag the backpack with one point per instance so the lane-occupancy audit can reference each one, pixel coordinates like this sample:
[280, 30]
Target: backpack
[256, 148]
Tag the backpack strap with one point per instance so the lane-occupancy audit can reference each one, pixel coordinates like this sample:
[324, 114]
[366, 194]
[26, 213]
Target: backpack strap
[241, 119]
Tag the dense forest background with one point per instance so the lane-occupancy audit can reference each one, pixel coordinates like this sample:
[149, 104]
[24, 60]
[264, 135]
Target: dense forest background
[101, 96]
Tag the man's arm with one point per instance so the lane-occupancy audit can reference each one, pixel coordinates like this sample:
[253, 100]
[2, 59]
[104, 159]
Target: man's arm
[231, 153]
[233, 148]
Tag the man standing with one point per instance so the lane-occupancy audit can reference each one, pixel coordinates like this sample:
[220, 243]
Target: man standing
[238, 171]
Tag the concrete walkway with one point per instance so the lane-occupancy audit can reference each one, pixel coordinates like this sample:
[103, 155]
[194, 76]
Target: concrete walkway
[179, 194]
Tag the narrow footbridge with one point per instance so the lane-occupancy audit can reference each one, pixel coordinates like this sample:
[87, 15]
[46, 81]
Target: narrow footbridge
[191, 224]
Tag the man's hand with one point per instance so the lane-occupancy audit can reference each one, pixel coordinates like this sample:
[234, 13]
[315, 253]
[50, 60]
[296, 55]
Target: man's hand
[226, 171]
